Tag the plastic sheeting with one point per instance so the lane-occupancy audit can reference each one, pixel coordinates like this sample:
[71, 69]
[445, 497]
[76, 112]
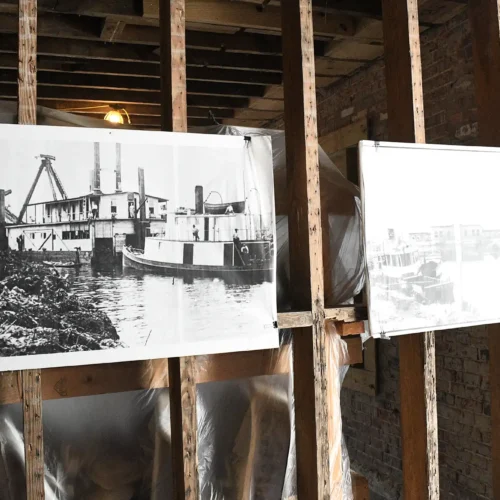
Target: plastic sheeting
[117, 447]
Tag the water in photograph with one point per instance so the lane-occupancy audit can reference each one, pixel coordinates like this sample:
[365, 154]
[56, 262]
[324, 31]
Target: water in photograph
[149, 309]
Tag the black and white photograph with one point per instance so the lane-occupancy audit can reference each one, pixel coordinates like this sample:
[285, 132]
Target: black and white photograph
[125, 245]
[432, 236]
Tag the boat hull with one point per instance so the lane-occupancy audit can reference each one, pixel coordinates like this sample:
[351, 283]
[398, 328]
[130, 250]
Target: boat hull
[135, 260]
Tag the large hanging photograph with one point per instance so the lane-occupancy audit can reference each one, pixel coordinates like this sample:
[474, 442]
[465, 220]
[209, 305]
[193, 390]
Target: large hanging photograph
[431, 217]
[124, 245]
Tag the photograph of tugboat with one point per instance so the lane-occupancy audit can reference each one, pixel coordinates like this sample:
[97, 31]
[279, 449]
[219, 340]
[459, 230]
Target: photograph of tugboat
[141, 246]
[214, 239]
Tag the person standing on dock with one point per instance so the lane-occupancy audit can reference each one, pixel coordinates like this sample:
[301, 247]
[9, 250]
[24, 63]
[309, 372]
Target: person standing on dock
[20, 243]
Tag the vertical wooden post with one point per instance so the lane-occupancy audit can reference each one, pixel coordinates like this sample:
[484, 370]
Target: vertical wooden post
[180, 371]
[32, 392]
[27, 62]
[306, 259]
[484, 20]
[417, 370]
[173, 65]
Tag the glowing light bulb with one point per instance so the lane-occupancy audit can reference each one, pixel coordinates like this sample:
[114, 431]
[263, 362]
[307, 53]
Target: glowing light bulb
[114, 116]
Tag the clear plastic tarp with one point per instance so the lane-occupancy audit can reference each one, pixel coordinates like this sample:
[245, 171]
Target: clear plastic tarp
[117, 446]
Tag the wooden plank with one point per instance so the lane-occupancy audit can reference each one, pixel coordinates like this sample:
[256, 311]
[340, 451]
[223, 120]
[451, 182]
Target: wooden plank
[346, 329]
[27, 62]
[181, 371]
[31, 379]
[33, 434]
[102, 8]
[484, 22]
[344, 137]
[109, 96]
[306, 260]
[416, 352]
[93, 380]
[244, 15]
[98, 109]
[360, 490]
[61, 26]
[136, 72]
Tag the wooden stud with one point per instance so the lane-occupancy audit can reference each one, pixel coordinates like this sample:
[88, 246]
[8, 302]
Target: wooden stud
[181, 370]
[27, 62]
[416, 352]
[306, 260]
[31, 379]
[33, 435]
[484, 22]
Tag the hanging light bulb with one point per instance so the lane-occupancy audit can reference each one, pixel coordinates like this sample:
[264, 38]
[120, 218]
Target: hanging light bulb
[114, 116]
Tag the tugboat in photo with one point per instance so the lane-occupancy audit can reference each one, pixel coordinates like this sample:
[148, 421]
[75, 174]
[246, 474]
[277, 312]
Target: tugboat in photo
[226, 240]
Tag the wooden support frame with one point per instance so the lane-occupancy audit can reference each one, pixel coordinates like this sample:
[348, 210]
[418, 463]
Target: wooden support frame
[416, 351]
[310, 343]
[484, 21]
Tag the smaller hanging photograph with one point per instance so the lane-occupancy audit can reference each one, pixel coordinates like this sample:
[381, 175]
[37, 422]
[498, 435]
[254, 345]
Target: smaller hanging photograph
[431, 217]
[126, 245]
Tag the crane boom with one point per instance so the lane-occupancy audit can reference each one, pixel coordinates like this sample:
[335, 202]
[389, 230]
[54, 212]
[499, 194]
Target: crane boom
[30, 194]
[53, 178]
[58, 182]
[51, 182]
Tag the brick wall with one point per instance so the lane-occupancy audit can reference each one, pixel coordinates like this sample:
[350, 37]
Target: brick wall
[371, 425]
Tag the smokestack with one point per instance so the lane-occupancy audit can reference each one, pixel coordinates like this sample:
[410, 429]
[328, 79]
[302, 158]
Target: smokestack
[118, 168]
[141, 226]
[198, 199]
[142, 194]
[97, 169]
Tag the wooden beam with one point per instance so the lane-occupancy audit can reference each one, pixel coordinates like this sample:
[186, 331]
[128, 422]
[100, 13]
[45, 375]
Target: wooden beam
[82, 49]
[143, 72]
[181, 371]
[309, 344]
[484, 22]
[108, 96]
[82, 81]
[244, 15]
[147, 110]
[417, 361]
[92, 29]
[31, 379]
[93, 380]
[200, 12]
